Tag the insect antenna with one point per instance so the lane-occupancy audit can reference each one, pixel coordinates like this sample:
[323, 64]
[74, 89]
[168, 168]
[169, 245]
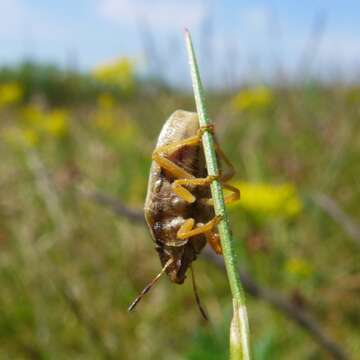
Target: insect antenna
[150, 285]
[197, 297]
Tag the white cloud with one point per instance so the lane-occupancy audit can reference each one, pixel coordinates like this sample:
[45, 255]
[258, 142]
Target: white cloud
[158, 13]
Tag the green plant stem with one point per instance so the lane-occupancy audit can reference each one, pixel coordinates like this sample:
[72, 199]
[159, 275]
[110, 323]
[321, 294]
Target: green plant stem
[239, 333]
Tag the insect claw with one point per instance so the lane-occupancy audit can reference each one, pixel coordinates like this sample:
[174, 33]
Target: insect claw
[218, 218]
[213, 177]
[203, 129]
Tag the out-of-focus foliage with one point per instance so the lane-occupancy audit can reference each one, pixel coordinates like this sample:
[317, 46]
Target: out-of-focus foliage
[69, 268]
[37, 125]
[59, 86]
[299, 267]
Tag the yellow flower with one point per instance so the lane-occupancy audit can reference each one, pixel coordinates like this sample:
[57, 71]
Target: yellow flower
[299, 267]
[118, 73]
[252, 99]
[10, 93]
[57, 123]
[269, 199]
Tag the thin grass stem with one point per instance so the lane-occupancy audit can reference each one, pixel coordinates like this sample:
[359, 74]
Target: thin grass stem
[239, 330]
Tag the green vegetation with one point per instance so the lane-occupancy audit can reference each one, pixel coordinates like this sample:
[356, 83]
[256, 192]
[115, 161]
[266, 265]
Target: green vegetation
[69, 267]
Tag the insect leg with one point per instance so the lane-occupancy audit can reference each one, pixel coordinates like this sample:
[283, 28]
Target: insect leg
[213, 239]
[171, 148]
[231, 170]
[235, 192]
[150, 285]
[186, 231]
[160, 153]
[233, 196]
[160, 156]
[177, 186]
[184, 178]
[197, 297]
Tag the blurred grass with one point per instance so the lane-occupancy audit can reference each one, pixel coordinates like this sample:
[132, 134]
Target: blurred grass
[69, 269]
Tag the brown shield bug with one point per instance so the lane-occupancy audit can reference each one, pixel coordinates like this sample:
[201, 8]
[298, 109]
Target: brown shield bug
[178, 206]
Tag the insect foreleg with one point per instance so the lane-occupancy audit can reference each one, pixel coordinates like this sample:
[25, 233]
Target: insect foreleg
[161, 153]
[170, 166]
[160, 156]
[171, 148]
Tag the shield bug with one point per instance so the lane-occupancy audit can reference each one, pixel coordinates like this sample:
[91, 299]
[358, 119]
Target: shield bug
[178, 206]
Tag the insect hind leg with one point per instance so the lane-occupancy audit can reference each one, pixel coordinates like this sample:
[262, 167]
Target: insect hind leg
[187, 229]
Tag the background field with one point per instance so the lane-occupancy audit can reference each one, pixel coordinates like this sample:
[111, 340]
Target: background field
[69, 266]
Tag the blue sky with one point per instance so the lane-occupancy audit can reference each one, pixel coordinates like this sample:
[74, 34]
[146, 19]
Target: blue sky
[234, 39]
